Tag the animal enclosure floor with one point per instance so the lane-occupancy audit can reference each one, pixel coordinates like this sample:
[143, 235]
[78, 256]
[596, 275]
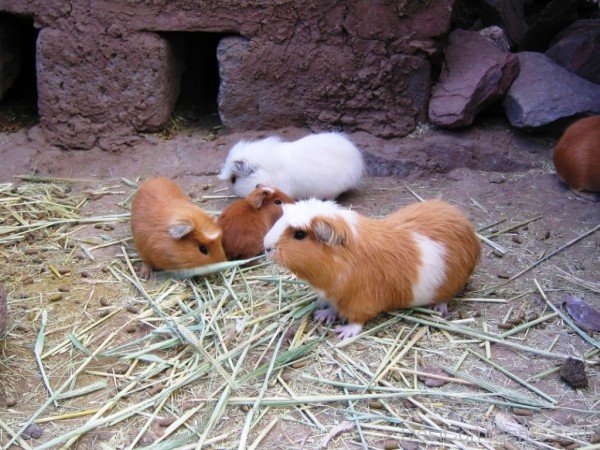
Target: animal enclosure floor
[167, 363]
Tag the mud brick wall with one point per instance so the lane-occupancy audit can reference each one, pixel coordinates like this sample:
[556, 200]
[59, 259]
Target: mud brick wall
[106, 70]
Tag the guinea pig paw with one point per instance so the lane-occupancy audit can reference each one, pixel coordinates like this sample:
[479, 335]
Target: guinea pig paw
[327, 316]
[348, 331]
[442, 308]
[146, 272]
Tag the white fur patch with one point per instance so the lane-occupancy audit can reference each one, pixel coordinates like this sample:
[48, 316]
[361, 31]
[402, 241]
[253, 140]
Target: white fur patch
[212, 236]
[432, 273]
[300, 214]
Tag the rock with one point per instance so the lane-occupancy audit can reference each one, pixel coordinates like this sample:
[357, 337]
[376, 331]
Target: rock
[468, 83]
[555, 16]
[576, 48]
[509, 14]
[545, 93]
[497, 178]
[10, 55]
[573, 373]
[497, 36]
[432, 382]
[3, 310]
[33, 431]
[584, 315]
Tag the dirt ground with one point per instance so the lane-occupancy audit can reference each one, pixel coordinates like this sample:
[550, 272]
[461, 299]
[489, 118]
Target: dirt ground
[192, 156]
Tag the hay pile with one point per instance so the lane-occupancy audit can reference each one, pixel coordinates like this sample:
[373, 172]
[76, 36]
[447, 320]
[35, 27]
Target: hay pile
[234, 359]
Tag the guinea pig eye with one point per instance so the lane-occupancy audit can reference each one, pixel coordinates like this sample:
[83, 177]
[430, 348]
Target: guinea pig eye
[299, 235]
[277, 201]
[233, 179]
[203, 249]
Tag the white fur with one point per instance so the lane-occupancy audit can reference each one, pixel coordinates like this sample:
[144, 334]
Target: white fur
[319, 165]
[432, 273]
[300, 214]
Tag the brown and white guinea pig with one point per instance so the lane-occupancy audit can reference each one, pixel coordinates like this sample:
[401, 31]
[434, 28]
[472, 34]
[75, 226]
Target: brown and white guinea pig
[245, 222]
[169, 231]
[419, 255]
[577, 155]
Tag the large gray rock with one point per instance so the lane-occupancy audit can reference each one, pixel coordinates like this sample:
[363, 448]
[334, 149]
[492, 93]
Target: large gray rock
[468, 82]
[10, 55]
[577, 49]
[544, 93]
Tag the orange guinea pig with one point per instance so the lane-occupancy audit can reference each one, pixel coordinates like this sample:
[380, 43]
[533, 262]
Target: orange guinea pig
[246, 222]
[419, 255]
[169, 231]
[577, 155]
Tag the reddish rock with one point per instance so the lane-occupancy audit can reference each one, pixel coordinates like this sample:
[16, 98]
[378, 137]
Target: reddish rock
[108, 69]
[544, 94]
[469, 82]
[577, 47]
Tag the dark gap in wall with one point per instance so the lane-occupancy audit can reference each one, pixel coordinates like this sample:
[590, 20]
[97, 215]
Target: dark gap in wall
[18, 84]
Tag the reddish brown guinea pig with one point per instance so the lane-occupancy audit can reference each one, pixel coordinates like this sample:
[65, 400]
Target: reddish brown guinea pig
[169, 231]
[246, 222]
[577, 155]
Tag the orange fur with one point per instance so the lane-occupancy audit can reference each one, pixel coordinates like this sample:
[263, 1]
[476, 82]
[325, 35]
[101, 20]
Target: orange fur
[577, 155]
[246, 222]
[158, 206]
[374, 271]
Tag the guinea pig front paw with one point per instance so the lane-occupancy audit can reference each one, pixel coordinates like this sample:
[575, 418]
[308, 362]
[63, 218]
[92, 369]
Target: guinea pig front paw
[327, 316]
[348, 331]
[146, 271]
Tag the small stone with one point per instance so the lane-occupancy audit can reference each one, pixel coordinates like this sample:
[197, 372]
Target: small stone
[572, 372]
[27, 280]
[55, 297]
[11, 401]
[37, 260]
[31, 315]
[522, 412]
[85, 274]
[156, 389]
[517, 240]
[497, 254]
[505, 326]
[31, 251]
[63, 270]
[103, 313]
[131, 328]
[166, 421]
[205, 187]
[32, 432]
[63, 289]
[476, 314]
[132, 309]
[375, 404]
[545, 235]
[98, 226]
[245, 408]
[390, 444]
[381, 334]
[432, 382]
[104, 301]
[299, 364]
[497, 178]
[503, 274]
[108, 227]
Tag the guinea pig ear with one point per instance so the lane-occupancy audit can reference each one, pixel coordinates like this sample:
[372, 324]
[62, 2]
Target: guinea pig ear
[242, 168]
[328, 231]
[180, 230]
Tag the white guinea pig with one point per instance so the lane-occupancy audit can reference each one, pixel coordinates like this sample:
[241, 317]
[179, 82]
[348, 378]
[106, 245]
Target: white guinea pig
[419, 255]
[319, 165]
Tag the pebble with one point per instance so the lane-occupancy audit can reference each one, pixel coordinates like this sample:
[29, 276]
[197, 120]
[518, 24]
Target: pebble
[497, 178]
[31, 251]
[517, 239]
[31, 315]
[131, 328]
[504, 275]
[85, 274]
[390, 444]
[156, 389]
[55, 297]
[205, 187]
[381, 334]
[505, 326]
[132, 309]
[11, 401]
[108, 227]
[245, 408]
[166, 421]
[545, 235]
[299, 364]
[63, 270]
[63, 289]
[27, 280]
[375, 404]
[103, 313]
[32, 432]
[104, 301]
[523, 412]
[98, 226]
[497, 254]
[37, 260]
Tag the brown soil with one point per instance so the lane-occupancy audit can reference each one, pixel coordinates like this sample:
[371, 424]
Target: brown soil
[192, 158]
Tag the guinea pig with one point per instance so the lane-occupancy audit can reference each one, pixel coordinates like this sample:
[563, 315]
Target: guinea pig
[577, 155]
[170, 232]
[246, 222]
[419, 255]
[319, 165]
